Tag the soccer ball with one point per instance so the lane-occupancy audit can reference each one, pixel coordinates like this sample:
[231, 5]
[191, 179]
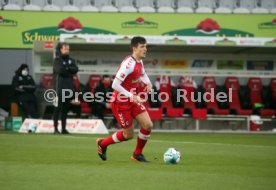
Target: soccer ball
[32, 128]
[171, 156]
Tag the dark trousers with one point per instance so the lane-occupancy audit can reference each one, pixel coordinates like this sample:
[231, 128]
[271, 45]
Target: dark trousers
[98, 110]
[61, 111]
[29, 109]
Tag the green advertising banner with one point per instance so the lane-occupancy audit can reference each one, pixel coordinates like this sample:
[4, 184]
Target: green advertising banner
[19, 29]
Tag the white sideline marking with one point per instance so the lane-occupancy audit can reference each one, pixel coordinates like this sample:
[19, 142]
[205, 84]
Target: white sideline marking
[208, 143]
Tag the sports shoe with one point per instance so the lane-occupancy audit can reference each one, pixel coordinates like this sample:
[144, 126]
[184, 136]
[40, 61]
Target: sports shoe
[139, 158]
[64, 131]
[56, 131]
[101, 150]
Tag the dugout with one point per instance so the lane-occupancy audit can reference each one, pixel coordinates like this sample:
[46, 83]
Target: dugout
[174, 60]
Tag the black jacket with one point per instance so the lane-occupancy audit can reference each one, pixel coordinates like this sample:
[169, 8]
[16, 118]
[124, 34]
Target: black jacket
[26, 93]
[64, 69]
[100, 88]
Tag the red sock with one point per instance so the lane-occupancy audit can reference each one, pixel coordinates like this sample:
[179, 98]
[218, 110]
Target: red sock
[115, 138]
[142, 140]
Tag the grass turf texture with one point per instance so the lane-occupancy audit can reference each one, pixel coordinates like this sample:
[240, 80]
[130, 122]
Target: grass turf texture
[209, 161]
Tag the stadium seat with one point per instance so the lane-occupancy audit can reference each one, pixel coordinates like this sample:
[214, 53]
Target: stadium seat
[165, 92]
[255, 87]
[54, 5]
[76, 83]
[47, 81]
[190, 107]
[273, 88]
[185, 6]
[235, 105]
[165, 87]
[205, 6]
[245, 6]
[14, 5]
[209, 85]
[85, 108]
[70, 6]
[125, 6]
[93, 80]
[226, 6]
[155, 112]
[165, 6]
[266, 6]
[105, 6]
[85, 6]
[34, 5]
[145, 6]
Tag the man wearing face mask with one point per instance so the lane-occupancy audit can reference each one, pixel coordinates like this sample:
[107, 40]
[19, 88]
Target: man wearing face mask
[64, 69]
[24, 87]
[102, 94]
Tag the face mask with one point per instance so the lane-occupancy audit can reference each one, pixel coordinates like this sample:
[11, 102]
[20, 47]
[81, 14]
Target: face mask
[24, 73]
[106, 84]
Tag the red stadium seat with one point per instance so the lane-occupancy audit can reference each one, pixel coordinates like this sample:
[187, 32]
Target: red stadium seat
[76, 83]
[47, 81]
[155, 114]
[255, 87]
[273, 88]
[166, 95]
[93, 80]
[188, 87]
[85, 108]
[233, 83]
[209, 85]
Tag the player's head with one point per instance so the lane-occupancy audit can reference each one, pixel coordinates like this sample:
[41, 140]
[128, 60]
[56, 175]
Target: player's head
[62, 49]
[106, 80]
[139, 46]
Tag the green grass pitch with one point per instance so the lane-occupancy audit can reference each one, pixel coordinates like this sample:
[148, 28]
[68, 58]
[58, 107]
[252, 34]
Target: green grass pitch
[209, 162]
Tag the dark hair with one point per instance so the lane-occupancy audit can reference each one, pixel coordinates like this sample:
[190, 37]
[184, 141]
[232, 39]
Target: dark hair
[105, 76]
[22, 66]
[137, 40]
[59, 46]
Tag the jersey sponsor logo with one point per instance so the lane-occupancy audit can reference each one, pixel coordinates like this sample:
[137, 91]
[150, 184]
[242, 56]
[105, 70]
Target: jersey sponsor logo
[135, 80]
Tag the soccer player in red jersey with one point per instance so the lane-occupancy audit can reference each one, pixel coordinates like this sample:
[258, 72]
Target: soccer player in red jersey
[126, 105]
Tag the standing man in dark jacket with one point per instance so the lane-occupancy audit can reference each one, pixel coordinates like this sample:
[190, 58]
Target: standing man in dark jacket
[64, 70]
[24, 87]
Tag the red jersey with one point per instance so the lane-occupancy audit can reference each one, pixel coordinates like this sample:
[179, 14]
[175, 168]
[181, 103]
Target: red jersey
[129, 72]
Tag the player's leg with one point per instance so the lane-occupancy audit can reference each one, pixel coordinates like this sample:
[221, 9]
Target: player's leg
[117, 137]
[146, 125]
[126, 122]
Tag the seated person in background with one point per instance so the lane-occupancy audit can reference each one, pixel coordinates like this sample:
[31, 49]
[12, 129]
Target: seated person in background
[24, 87]
[102, 94]
[163, 80]
[187, 81]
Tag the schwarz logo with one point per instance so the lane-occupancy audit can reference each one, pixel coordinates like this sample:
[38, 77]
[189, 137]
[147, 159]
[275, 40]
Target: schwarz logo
[139, 23]
[7, 22]
[268, 25]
